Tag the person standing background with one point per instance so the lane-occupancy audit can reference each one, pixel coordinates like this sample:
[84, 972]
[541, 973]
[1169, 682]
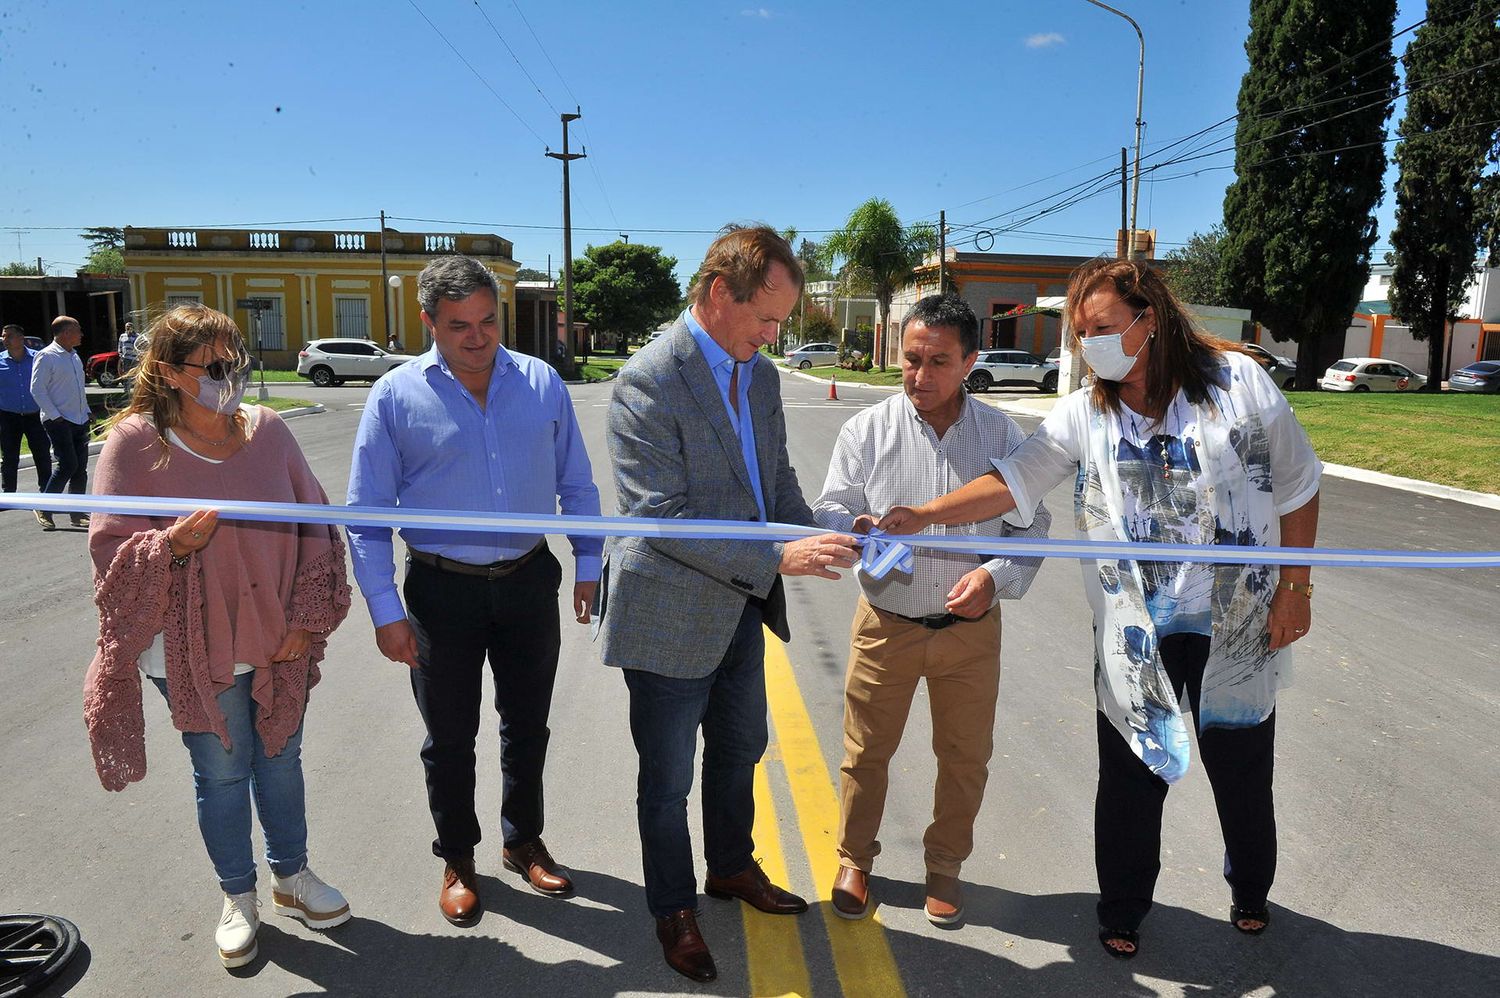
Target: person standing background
[20, 417]
[58, 385]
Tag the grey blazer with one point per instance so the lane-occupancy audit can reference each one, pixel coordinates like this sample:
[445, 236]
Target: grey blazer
[671, 606]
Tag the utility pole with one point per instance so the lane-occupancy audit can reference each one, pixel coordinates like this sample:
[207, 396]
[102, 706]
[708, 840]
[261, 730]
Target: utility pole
[1140, 89]
[385, 287]
[1124, 247]
[943, 252]
[566, 158]
[625, 236]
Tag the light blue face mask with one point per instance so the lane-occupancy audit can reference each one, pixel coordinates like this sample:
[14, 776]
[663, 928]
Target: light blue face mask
[222, 396]
[1106, 355]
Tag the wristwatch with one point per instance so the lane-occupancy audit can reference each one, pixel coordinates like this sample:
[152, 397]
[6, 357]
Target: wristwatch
[1305, 588]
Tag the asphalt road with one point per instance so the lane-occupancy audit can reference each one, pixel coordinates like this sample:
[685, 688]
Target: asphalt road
[1386, 783]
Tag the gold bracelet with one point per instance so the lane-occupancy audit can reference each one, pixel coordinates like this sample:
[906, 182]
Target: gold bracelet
[1305, 588]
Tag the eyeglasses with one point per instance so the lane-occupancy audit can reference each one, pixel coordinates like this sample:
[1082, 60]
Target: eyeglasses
[222, 370]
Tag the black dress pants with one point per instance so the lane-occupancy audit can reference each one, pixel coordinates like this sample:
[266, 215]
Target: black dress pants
[14, 426]
[459, 620]
[1128, 808]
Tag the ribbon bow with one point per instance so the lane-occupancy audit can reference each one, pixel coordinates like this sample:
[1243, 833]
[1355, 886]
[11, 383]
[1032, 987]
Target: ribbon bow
[882, 552]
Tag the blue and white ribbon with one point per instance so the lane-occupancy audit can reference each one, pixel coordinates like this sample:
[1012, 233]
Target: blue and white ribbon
[880, 551]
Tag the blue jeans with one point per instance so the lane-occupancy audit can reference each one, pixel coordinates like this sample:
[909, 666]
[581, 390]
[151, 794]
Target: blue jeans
[225, 780]
[665, 714]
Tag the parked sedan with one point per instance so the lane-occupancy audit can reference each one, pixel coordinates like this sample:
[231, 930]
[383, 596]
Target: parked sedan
[334, 361]
[1012, 367]
[812, 355]
[1480, 376]
[1370, 374]
[1283, 370]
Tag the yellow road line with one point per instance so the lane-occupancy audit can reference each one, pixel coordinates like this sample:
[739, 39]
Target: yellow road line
[773, 943]
[861, 954]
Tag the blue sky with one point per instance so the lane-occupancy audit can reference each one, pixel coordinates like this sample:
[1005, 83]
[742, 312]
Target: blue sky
[195, 113]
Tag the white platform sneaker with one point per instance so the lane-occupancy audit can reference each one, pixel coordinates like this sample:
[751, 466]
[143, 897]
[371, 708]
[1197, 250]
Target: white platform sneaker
[238, 924]
[305, 896]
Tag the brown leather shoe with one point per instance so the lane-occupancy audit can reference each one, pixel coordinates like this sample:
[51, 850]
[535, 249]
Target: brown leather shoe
[945, 905]
[537, 867]
[459, 899]
[752, 886]
[851, 893]
[683, 946]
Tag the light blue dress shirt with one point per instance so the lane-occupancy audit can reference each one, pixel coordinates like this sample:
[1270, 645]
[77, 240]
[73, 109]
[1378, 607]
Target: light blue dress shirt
[57, 384]
[722, 365]
[15, 382]
[425, 443]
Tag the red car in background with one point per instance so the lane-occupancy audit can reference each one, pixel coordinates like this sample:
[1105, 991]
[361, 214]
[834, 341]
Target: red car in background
[104, 368]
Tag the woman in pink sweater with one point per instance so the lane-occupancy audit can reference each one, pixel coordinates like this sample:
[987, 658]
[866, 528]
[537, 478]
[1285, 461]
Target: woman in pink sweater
[228, 620]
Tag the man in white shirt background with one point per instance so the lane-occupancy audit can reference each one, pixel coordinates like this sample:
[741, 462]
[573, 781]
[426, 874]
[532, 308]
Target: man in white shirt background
[57, 384]
[941, 622]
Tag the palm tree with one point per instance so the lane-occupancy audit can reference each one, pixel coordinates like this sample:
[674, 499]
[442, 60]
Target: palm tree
[876, 247]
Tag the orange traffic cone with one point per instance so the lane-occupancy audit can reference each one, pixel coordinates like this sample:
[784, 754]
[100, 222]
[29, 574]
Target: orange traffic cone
[833, 388]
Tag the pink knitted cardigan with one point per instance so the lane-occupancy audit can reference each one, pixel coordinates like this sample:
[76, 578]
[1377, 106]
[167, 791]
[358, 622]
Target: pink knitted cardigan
[233, 602]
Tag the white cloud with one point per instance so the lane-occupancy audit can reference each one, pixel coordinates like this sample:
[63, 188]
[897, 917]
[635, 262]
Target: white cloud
[760, 12]
[1043, 41]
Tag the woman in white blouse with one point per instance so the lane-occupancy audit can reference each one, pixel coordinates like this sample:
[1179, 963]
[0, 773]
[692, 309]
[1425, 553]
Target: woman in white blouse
[1182, 439]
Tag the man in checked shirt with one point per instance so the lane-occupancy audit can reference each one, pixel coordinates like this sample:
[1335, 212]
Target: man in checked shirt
[941, 622]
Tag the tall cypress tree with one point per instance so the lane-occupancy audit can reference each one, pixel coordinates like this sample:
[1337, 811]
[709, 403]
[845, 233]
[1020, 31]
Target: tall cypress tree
[1448, 135]
[1309, 160]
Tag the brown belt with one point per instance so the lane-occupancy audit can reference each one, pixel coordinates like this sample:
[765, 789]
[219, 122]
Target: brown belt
[497, 570]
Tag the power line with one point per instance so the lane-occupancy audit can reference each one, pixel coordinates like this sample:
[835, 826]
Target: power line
[495, 93]
[513, 55]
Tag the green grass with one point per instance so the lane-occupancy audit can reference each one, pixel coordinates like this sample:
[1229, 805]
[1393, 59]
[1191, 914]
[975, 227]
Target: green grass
[890, 376]
[599, 367]
[1452, 439]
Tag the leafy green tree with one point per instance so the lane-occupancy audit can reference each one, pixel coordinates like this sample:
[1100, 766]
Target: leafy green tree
[1195, 271]
[531, 274]
[625, 288]
[1448, 135]
[19, 269]
[104, 237]
[1309, 156]
[877, 248]
[105, 261]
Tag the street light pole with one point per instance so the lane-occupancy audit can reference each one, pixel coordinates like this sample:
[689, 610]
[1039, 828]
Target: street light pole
[566, 158]
[385, 295]
[1140, 88]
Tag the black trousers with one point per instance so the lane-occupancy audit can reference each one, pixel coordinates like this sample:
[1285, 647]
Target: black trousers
[70, 449]
[14, 426]
[1128, 808]
[459, 621]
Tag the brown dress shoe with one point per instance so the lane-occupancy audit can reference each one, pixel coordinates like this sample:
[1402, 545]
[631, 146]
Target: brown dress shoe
[945, 905]
[851, 893]
[459, 900]
[537, 867]
[752, 886]
[683, 946]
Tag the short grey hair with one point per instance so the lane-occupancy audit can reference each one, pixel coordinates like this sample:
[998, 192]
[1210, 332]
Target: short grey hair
[453, 278]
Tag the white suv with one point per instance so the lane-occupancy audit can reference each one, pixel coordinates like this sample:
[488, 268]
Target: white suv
[1012, 367]
[332, 362]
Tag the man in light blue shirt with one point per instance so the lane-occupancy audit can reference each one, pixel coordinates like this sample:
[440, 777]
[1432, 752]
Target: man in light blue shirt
[19, 414]
[469, 425]
[57, 384]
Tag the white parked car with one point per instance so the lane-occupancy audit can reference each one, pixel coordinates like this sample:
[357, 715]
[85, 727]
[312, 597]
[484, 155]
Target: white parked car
[1370, 374]
[332, 362]
[813, 355]
[1012, 367]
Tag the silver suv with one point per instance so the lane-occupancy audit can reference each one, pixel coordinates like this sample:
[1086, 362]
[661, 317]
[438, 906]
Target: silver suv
[1012, 367]
[332, 362]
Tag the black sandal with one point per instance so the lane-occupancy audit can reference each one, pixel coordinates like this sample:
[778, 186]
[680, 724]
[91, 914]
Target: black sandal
[1107, 936]
[1239, 913]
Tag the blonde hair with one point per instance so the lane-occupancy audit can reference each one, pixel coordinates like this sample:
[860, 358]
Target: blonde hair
[173, 337]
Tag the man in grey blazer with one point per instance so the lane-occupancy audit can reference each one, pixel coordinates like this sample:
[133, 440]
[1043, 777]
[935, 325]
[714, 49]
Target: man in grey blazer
[696, 431]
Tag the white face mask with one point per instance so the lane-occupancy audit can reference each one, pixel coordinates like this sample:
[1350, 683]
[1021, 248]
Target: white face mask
[1106, 353]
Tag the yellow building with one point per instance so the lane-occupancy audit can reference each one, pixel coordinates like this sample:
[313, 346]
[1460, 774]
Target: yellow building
[320, 284]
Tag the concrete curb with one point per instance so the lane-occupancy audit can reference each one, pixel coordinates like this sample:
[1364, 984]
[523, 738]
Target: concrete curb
[98, 445]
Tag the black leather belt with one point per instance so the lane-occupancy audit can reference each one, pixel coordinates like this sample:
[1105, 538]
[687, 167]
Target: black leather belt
[933, 621]
[497, 570]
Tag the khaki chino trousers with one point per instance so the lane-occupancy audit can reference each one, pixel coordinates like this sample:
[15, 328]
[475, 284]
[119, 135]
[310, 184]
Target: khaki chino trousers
[961, 664]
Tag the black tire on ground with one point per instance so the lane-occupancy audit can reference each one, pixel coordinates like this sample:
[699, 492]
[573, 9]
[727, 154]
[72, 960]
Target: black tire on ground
[1049, 383]
[804, 365]
[1361, 388]
[1289, 384]
[980, 381]
[321, 376]
[36, 948]
[339, 382]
